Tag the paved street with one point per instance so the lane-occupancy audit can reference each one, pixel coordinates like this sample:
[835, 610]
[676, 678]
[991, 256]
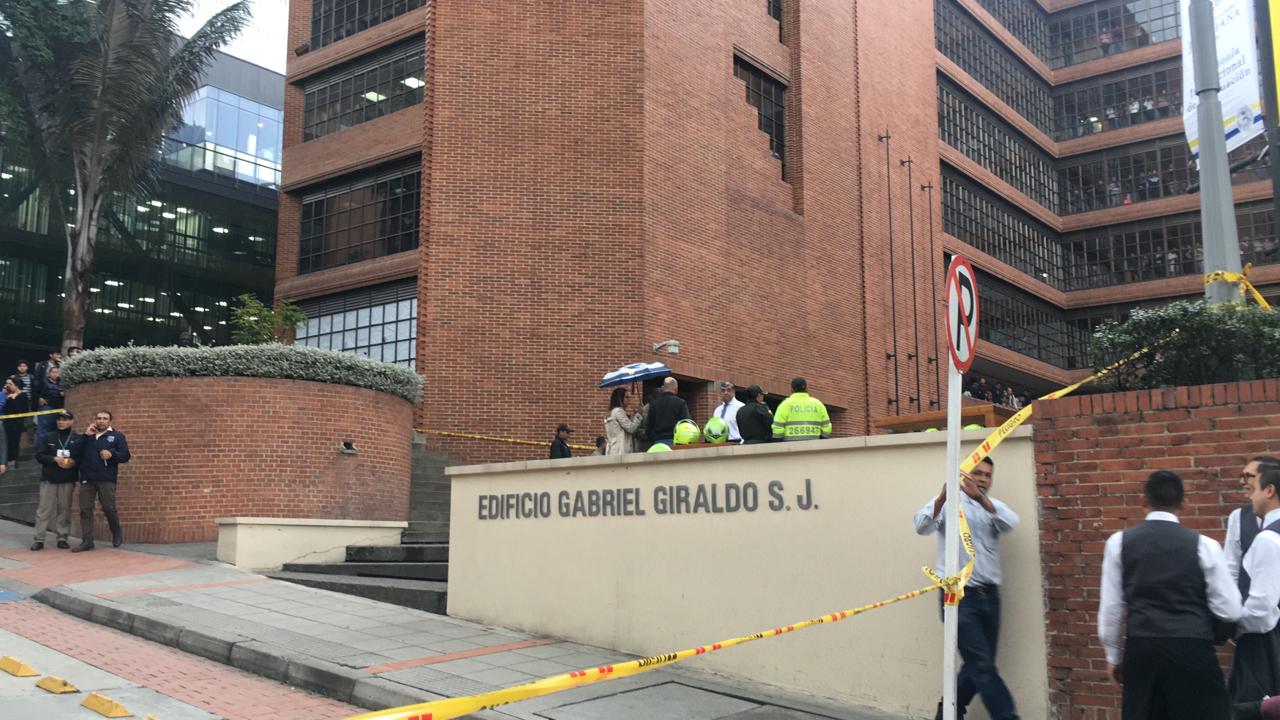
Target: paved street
[358, 651]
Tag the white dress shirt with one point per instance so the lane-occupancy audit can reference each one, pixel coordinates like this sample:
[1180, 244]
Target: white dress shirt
[986, 528]
[1231, 548]
[1262, 562]
[1220, 590]
[728, 411]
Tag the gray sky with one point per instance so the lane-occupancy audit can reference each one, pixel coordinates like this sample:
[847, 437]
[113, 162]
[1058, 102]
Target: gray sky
[263, 42]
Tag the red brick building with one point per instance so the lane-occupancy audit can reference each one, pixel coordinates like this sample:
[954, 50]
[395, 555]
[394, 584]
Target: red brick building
[518, 197]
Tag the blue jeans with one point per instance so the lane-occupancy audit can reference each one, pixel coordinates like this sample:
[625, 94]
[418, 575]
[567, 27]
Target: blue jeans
[979, 635]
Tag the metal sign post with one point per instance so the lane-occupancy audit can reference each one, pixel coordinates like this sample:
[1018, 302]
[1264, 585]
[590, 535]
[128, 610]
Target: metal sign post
[962, 339]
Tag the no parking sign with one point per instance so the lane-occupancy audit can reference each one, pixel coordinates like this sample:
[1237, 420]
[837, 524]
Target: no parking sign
[962, 313]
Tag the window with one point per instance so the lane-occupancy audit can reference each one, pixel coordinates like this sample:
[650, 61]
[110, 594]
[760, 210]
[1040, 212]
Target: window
[1139, 172]
[1096, 30]
[360, 219]
[388, 81]
[991, 142]
[1119, 100]
[1025, 20]
[775, 9]
[227, 139]
[1015, 319]
[982, 219]
[332, 20]
[962, 39]
[380, 322]
[1160, 248]
[769, 97]
[175, 233]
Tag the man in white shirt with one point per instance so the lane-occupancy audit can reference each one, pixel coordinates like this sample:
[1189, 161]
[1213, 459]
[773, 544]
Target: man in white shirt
[727, 410]
[1238, 542]
[1167, 584]
[1255, 667]
[979, 611]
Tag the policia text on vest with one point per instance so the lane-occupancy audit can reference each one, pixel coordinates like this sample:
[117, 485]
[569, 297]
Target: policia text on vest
[801, 416]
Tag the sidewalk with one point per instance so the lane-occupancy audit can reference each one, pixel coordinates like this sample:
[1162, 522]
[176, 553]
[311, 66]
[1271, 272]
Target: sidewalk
[363, 652]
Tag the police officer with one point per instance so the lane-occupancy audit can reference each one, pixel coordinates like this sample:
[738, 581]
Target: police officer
[801, 416]
[60, 454]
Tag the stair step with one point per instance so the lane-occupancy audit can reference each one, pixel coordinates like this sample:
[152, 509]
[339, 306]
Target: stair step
[424, 595]
[403, 570]
[420, 553]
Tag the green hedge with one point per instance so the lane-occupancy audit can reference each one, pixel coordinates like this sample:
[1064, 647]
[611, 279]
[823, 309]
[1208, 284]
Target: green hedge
[1223, 343]
[287, 362]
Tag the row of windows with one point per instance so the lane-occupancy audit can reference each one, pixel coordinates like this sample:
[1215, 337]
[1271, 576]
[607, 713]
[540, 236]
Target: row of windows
[991, 142]
[387, 81]
[1161, 247]
[332, 20]
[1097, 30]
[1015, 319]
[1116, 101]
[1147, 171]
[379, 323]
[982, 219]
[960, 38]
[769, 97]
[1025, 20]
[360, 219]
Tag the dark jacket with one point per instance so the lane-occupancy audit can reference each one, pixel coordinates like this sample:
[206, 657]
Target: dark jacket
[560, 448]
[94, 468]
[19, 403]
[755, 423]
[69, 439]
[665, 410]
[52, 393]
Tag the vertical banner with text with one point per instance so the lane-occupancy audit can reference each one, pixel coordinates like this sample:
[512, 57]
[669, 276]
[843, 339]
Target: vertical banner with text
[1238, 76]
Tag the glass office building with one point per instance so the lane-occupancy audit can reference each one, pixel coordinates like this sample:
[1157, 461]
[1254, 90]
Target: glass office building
[169, 263]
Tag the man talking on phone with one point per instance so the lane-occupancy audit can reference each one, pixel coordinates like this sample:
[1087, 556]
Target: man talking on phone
[105, 448]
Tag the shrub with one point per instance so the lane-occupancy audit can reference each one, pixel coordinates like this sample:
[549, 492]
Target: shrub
[1213, 344]
[287, 362]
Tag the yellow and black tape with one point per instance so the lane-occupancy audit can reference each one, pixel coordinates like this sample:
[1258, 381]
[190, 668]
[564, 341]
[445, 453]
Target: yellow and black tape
[31, 414]
[459, 706]
[493, 438]
[953, 588]
[1242, 279]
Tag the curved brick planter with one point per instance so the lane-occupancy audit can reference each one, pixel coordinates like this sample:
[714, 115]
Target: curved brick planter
[211, 447]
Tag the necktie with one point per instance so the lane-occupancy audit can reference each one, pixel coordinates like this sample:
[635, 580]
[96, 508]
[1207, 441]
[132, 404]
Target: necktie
[723, 409]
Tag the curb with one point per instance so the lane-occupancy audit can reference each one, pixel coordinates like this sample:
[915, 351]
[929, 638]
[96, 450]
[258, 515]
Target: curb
[273, 662]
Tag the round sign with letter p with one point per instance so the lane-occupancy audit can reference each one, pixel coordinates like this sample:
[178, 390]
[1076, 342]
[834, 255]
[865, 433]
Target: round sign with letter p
[962, 313]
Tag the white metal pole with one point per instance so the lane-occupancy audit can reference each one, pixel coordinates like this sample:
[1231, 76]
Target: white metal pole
[950, 618]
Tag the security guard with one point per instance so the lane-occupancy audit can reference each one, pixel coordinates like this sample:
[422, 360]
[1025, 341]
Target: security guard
[800, 416]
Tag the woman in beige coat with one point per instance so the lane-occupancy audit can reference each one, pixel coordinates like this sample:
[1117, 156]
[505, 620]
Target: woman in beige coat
[620, 427]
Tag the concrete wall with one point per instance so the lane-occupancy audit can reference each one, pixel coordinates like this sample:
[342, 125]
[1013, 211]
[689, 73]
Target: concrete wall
[268, 543]
[661, 582]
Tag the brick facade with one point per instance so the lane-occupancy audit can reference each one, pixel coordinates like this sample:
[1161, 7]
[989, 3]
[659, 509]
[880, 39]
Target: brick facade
[1093, 453]
[276, 442]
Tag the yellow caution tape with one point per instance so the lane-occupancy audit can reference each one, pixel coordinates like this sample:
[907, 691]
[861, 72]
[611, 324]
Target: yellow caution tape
[459, 706]
[953, 588]
[31, 414]
[491, 438]
[1242, 279]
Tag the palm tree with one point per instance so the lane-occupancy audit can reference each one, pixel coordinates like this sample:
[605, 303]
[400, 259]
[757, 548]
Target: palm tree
[99, 89]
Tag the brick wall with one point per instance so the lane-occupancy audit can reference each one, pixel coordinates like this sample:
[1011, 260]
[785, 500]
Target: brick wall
[205, 448]
[1093, 454]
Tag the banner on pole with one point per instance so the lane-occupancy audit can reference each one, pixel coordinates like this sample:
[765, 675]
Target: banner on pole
[1237, 74]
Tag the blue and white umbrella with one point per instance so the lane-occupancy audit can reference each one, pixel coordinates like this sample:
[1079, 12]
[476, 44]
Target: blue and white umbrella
[635, 372]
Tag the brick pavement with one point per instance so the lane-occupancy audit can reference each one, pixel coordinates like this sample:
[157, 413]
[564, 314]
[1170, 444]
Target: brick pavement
[216, 688]
[51, 567]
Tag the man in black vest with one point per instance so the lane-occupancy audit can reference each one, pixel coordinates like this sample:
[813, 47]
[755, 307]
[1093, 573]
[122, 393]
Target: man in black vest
[1255, 668]
[1172, 582]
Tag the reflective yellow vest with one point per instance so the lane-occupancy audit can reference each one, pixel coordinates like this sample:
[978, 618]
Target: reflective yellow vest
[801, 417]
